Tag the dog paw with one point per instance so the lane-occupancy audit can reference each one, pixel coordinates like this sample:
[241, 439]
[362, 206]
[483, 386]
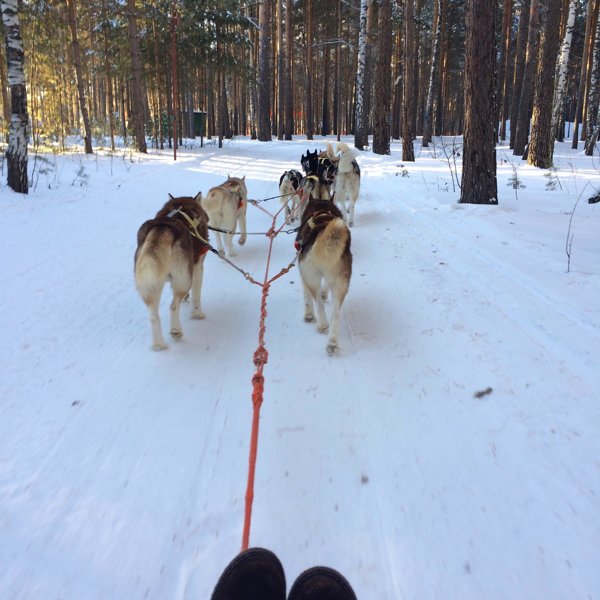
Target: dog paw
[242, 240]
[232, 252]
[197, 314]
[323, 328]
[159, 346]
[332, 348]
[222, 253]
[309, 318]
[176, 334]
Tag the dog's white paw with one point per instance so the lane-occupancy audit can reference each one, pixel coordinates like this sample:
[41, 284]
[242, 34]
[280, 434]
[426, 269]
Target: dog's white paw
[159, 346]
[197, 314]
[242, 240]
[332, 348]
[309, 317]
[323, 328]
[222, 253]
[232, 252]
[176, 334]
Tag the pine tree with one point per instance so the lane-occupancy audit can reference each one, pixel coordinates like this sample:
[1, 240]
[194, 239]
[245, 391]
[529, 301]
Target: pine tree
[138, 104]
[264, 72]
[383, 89]
[541, 145]
[408, 114]
[479, 184]
[524, 114]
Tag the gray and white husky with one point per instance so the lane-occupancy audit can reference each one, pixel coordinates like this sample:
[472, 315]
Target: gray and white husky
[323, 241]
[347, 182]
[226, 206]
[172, 247]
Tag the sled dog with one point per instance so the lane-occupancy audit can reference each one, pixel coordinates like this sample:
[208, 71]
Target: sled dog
[289, 183]
[226, 206]
[347, 182]
[172, 247]
[323, 242]
[320, 174]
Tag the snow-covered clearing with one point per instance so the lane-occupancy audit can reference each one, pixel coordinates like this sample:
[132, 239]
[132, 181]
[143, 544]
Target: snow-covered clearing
[123, 471]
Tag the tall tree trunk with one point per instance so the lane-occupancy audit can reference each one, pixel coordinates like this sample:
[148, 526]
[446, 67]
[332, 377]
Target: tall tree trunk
[503, 75]
[325, 124]
[79, 74]
[589, 28]
[371, 40]
[383, 85]
[16, 153]
[397, 86]
[361, 137]
[337, 121]
[563, 65]
[432, 90]
[280, 71]
[137, 104]
[5, 98]
[524, 114]
[289, 64]
[308, 108]
[479, 184]
[541, 145]
[519, 67]
[592, 125]
[408, 115]
[159, 88]
[264, 72]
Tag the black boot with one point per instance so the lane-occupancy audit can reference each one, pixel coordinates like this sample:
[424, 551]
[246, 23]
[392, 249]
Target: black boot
[255, 574]
[321, 583]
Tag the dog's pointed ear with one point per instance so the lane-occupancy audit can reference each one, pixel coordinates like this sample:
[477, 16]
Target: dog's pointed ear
[171, 196]
[244, 178]
[198, 197]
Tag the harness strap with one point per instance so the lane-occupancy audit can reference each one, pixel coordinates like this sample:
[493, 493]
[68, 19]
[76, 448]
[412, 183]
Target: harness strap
[193, 223]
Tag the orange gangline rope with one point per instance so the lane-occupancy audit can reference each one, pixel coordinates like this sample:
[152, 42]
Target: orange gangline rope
[261, 357]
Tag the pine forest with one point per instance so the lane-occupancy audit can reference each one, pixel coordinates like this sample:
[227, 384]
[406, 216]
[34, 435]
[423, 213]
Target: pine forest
[153, 73]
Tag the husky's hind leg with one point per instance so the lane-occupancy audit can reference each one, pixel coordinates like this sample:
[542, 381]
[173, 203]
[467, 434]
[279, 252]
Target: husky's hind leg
[181, 282]
[153, 302]
[220, 248]
[352, 201]
[241, 222]
[311, 280]
[339, 289]
[197, 277]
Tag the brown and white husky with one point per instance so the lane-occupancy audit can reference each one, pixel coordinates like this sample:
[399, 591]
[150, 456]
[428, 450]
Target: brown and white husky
[226, 206]
[172, 247]
[323, 241]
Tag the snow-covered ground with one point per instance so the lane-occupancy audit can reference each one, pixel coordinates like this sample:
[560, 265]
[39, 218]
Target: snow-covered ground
[123, 471]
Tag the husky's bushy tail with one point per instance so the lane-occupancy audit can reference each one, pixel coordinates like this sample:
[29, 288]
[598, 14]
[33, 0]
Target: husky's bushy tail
[153, 263]
[332, 243]
[346, 163]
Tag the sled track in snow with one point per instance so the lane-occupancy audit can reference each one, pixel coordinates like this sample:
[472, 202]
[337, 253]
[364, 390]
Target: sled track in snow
[537, 309]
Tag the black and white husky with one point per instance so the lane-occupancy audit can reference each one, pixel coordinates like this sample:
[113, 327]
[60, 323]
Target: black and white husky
[323, 241]
[172, 247]
[289, 183]
[347, 182]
